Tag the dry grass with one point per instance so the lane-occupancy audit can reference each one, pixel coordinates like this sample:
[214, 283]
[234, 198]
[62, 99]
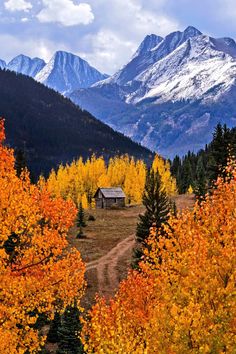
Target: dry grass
[102, 235]
[109, 228]
[184, 201]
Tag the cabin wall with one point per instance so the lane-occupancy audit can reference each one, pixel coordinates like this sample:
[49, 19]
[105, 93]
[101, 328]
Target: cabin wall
[121, 202]
[99, 203]
[109, 202]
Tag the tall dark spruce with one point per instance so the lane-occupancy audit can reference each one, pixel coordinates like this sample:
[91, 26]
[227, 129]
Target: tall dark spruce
[69, 332]
[219, 152]
[201, 183]
[157, 212]
[80, 217]
[52, 336]
[80, 222]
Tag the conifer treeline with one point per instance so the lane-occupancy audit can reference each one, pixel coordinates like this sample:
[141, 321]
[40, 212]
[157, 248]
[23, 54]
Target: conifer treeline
[80, 180]
[197, 172]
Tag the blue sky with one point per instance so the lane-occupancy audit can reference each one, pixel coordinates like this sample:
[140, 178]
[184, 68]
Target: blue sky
[104, 32]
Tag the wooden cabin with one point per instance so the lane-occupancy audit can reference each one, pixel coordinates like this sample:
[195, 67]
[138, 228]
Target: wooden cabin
[109, 197]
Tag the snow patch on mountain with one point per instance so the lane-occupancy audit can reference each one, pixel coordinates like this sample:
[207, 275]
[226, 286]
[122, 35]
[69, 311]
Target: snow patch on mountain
[25, 65]
[182, 66]
[171, 93]
[194, 70]
[64, 73]
[67, 72]
[149, 42]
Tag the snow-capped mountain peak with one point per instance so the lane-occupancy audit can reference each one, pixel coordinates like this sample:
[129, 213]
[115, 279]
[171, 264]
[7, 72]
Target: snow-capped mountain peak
[67, 72]
[149, 42]
[191, 31]
[170, 95]
[152, 49]
[25, 65]
[197, 69]
[225, 45]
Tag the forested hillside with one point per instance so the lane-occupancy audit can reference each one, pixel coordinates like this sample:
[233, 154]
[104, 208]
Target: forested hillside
[50, 129]
[198, 171]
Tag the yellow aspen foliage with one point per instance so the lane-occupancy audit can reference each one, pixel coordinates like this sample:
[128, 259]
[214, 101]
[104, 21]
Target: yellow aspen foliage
[37, 275]
[117, 169]
[80, 179]
[184, 299]
[84, 201]
[104, 181]
[190, 190]
[163, 167]
[134, 181]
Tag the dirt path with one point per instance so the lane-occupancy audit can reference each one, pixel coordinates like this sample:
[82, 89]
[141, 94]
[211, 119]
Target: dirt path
[106, 266]
[107, 248]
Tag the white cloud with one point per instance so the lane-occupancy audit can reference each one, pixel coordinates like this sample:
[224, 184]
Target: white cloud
[108, 51]
[123, 26]
[227, 7]
[135, 18]
[18, 5]
[25, 19]
[42, 48]
[65, 12]
[108, 43]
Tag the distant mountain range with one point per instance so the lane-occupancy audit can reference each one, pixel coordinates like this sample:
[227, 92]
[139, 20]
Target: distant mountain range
[65, 72]
[171, 94]
[168, 97]
[50, 129]
[25, 65]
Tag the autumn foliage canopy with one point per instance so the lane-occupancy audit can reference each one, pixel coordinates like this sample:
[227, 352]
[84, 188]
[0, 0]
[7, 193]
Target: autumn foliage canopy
[184, 299]
[79, 180]
[37, 275]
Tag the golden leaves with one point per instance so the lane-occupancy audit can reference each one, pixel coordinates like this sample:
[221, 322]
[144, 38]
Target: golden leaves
[80, 180]
[163, 167]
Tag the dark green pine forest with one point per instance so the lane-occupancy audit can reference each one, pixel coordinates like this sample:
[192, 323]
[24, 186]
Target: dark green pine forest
[47, 128]
[201, 170]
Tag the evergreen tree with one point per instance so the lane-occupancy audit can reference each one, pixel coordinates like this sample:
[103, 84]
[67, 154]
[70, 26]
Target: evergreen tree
[187, 176]
[201, 180]
[157, 212]
[80, 216]
[20, 161]
[176, 167]
[52, 336]
[219, 151]
[69, 331]
[80, 220]
[202, 169]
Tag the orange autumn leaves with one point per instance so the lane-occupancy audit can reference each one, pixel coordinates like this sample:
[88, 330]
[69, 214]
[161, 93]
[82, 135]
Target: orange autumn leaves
[37, 274]
[185, 303]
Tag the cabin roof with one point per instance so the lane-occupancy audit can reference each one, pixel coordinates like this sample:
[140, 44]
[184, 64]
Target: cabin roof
[115, 192]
